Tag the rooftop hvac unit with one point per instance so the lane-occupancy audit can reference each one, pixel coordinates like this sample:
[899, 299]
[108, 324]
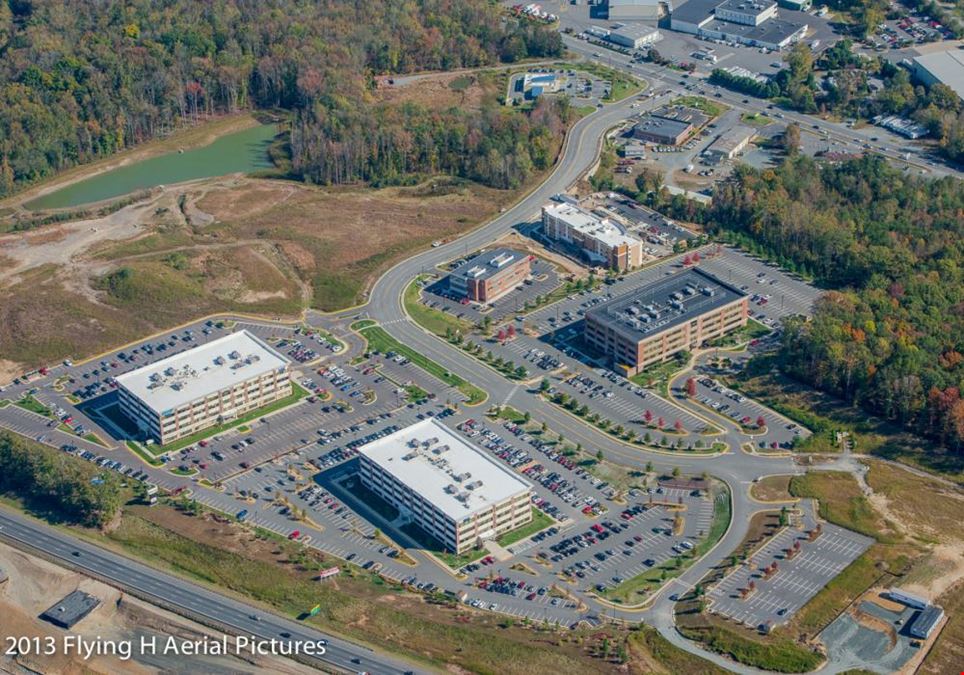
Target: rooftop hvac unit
[253, 358]
[413, 443]
[451, 489]
[234, 355]
[676, 304]
[474, 485]
[462, 477]
[155, 377]
[169, 371]
[409, 456]
[219, 361]
[689, 290]
[177, 386]
[707, 291]
[440, 449]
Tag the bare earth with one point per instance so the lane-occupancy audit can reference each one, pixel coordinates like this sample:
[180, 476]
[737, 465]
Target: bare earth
[35, 584]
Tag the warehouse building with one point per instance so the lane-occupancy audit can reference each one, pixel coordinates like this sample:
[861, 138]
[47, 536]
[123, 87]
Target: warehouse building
[204, 386]
[635, 35]
[655, 322]
[749, 22]
[925, 622]
[669, 125]
[490, 275]
[452, 490]
[945, 67]
[729, 144]
[74, 607]
[635, 10]
[601, 241]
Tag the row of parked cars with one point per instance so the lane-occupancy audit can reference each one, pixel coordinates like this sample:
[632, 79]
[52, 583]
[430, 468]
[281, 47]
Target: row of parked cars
[106, 462]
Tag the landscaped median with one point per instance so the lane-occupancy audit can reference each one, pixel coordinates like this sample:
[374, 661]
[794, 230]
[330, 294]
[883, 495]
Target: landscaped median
[381, 341]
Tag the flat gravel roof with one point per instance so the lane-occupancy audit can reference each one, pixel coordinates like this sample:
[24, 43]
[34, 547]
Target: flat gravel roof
[453, 475]
[201, 371]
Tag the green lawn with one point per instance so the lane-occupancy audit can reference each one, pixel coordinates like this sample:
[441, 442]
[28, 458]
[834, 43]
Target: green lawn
[540, 521]
[34, 406]
[297, 393]
[704, 104]
[136, 448]
[379, 340]
[431, 319]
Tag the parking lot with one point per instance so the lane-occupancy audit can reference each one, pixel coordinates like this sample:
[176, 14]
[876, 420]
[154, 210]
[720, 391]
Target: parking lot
[798, 576]
[581, 87]
[745, 412]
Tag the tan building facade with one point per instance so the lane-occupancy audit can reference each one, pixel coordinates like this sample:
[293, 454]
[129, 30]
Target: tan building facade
[651, 327]
[211, 384]
[603, 241]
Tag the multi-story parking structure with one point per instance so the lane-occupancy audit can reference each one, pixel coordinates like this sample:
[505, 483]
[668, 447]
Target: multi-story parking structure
[602, 241]
[208, 385]
[490, 275]
[446, 486]
[651, 324]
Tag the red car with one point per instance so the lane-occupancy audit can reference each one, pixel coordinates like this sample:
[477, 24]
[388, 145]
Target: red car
[295, 534]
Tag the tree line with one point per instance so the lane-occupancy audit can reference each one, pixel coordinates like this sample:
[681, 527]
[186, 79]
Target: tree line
[76, 491]
[81, 80]
[890, 335]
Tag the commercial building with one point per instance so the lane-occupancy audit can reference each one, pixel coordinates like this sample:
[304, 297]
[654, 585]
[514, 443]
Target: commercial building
[796, 5]
[945, 67]
[602, 241]
[750, 22]
[204, 386]
[74, 607]
[490, 275]
[729, 144]
[669, 125]
[635, 10]
[747, 12]
[905, 598]
[635, 35]
[452, 490]
[535, 85]
[677, 313]
[925, 622]
[903, 126]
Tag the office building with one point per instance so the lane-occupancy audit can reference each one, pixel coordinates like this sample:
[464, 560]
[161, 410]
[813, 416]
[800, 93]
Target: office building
[729, 144]
[674, 314]
[635, 35]
[601, 241]
[635, 10]
[490, 275]
[199, 388]
[452, 490]
[946, 67]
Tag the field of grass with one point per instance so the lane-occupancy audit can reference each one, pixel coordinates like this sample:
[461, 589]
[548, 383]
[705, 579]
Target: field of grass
[358, 606]
[754, 119]
[843, 503]
[778, 655]
[429, 318]
[379, 340]
[947, 654]
[649, 650]
[711, 108]
[540, 521]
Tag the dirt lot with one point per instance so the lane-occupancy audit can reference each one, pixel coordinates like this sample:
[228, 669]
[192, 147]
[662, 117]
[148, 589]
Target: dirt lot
[772, 489]
[34, 585]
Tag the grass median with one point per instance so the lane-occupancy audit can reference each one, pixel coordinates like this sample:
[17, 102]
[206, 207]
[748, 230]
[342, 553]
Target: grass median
[381, 341]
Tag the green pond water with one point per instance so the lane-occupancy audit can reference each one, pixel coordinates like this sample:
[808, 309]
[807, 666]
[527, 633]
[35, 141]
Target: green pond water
[242, 151]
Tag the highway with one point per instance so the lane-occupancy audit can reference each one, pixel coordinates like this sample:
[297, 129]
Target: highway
[188, 598]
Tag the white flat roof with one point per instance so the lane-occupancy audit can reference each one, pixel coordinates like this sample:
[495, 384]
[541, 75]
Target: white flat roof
[453, 475]
[201, 371]
[601, 229]
[947, 67]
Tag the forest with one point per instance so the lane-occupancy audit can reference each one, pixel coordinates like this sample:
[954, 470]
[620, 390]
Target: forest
[81, 80]
[76, 491]
[890, 335]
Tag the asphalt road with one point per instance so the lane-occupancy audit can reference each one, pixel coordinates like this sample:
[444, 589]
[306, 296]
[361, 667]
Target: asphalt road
[194, 600]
